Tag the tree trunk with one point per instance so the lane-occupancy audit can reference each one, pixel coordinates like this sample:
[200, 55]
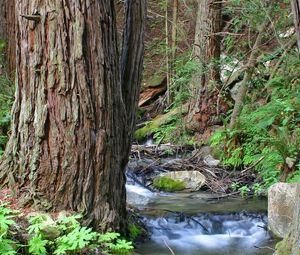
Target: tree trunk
[7, 33]
[174, 31]
[207, 104]
[239, 103]
[70, 123]
[132, 64]
[296, 12]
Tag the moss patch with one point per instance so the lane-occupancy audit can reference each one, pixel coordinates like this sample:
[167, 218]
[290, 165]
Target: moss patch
[160, 120]
[134, 231]
[168, 184]
[285, 247]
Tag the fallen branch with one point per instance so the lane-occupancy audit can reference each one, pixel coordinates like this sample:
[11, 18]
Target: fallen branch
[169, 247]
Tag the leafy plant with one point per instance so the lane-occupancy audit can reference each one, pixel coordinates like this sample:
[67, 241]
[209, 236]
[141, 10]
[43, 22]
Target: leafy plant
[112, 243]
[7, 245]
[36, 223]
[257, 189]
[37, 245]
[244, 190]
[235, 186]
[76, 240]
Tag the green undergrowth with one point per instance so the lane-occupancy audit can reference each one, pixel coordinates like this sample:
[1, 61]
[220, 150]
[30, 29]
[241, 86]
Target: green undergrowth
[168, 184]
[65, 235]
[166, 122]
[6, 100]
[267, 134]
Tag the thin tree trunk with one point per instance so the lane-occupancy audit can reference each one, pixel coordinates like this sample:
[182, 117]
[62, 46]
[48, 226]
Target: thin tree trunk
[296, 12]
[70, 123]
[174, 30]
[167, 54]
[239, 103]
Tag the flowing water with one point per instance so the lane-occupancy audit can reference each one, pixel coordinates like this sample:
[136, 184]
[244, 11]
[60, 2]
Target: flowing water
[199, 224]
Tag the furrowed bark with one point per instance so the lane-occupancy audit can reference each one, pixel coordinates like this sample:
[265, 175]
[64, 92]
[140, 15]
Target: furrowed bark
[131, 64]
[296, 12]
[70, 123]
[207, 105]
[7, 33]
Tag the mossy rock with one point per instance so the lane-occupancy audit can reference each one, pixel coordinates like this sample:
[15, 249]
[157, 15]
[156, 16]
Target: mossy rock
[285, 247]
[155, 81]
[168, 184]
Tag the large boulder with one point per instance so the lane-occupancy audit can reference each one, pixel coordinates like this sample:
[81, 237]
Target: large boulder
[281, 203]
[193, 180]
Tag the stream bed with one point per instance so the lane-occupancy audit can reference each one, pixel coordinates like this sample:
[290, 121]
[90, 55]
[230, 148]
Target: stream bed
[199, 224]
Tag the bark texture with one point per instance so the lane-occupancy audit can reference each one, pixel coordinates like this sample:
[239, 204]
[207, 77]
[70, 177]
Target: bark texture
[131, 64]
[70, 121]
[7, 33]
[296, 13]
[207, 105]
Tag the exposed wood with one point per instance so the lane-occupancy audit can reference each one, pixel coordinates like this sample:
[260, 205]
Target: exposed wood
[151, 93]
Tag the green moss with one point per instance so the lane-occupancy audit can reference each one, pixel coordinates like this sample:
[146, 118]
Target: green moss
[285, 247]
[160, 120]
[145, 131]
[282, 248]
[168, 184]
[134, 231]
[156, 81]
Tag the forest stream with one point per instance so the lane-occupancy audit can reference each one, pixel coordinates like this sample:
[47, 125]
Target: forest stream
[198, 223]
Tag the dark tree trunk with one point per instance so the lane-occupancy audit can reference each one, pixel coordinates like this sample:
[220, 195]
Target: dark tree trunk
[7, 33]
[208, 104]
[296, 13]
[131, 63]
[70, 122]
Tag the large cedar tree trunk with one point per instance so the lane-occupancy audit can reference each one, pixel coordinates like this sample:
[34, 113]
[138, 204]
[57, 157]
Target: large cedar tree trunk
[70, 123]
[207, 105]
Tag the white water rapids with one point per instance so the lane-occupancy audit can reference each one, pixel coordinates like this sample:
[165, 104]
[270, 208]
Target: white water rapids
[201, 232]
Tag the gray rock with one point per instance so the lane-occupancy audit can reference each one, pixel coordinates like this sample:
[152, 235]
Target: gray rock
[211, 161]
[193, 180]
[137, 195]
[281, 203]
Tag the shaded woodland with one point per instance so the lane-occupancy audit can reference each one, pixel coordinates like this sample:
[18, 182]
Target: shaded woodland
[88, 86]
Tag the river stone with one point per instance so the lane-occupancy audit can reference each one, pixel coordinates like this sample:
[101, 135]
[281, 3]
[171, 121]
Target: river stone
[211, 161]
[193, 180]
[137, 195]
[281, 203]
